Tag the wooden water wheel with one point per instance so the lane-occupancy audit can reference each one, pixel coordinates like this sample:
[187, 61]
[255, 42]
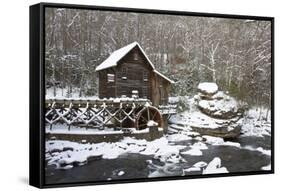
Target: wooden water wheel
[147, 114]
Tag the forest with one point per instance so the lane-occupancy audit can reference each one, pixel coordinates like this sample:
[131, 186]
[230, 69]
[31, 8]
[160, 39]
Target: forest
[234, 53]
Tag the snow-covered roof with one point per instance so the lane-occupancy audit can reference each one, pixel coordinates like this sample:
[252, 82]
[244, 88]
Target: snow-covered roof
[113, 59]
[162, 75]
[117, 55]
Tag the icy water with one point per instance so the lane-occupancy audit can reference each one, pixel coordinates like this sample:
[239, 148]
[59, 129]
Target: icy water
[131, 166]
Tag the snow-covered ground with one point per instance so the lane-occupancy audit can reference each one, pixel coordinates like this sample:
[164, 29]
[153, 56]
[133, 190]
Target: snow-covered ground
[62, 93]
[64, 129]
[257, 122]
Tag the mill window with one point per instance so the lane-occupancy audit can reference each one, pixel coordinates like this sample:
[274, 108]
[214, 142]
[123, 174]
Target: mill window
[145, 76]
[135, 56]
[124, 73]
[110, 78]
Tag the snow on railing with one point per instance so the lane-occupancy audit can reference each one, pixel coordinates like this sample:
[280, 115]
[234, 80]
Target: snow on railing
[94, 112]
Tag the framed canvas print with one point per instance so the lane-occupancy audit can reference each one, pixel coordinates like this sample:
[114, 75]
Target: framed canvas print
[127, 95]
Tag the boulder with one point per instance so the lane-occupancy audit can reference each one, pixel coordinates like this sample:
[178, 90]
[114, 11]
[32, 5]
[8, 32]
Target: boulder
[219, 106]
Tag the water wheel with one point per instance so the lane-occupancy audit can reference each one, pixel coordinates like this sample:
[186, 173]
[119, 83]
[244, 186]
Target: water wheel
[147, 114]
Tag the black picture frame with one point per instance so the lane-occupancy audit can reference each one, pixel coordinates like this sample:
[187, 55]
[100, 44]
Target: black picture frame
[37, 93]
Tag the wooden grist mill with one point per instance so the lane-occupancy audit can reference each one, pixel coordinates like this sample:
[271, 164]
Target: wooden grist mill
[132, 94]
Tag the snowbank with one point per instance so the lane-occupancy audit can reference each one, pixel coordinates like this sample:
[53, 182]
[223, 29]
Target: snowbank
[62, 153]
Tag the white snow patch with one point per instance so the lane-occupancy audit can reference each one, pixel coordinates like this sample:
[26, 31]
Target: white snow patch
[233, 144]
[200, 145]
[173, 100]
[178, 137]
[219, 141]
[63, 93]
[257, 123]
[151, 123]
[121, 173]
[196, 149]
[259, 149]
[192, 169]
[263, 151]
[267, 167]
[193, 152]
[63, 129]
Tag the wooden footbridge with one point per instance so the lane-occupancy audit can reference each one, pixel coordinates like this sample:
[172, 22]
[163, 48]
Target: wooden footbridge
[128, 112]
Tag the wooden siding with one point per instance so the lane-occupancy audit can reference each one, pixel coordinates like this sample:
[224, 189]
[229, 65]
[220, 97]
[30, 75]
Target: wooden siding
[161, 88]
[107, 89]
[130, 74]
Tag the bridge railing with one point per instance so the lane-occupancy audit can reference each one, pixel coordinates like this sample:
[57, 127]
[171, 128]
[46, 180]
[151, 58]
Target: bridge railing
[97, 112]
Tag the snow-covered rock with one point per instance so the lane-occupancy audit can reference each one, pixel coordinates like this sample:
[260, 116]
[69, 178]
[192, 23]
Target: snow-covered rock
[211, 112]
[58, 155]
[121, 173]
[216, 103]
[219, 141]
[214, 167]
[267, 167]
[208, 88]
[224, 108]
[196, 167]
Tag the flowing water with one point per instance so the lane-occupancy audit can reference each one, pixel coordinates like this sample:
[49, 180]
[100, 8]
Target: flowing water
[132, 166]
